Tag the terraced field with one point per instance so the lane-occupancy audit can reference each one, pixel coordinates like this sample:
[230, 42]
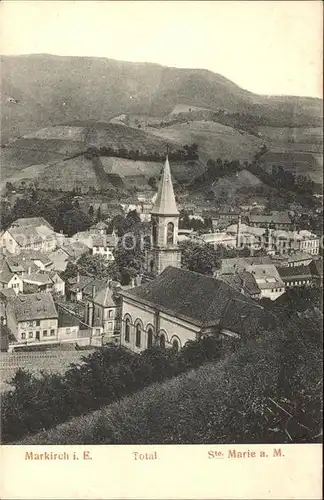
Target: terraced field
[55, 361]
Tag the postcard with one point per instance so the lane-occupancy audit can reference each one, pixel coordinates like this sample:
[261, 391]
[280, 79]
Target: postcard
[161, 250]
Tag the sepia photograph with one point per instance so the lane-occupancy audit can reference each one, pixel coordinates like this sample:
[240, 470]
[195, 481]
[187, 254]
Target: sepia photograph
[161, 231]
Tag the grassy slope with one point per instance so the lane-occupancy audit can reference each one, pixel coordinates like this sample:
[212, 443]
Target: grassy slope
[299, 150]
[214, 140]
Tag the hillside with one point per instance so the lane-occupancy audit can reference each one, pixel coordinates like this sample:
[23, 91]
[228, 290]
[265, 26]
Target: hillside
[44, 154]
[214, 140]
[83, 88]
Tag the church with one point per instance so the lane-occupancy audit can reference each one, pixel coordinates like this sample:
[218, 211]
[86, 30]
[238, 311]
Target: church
[179, 305]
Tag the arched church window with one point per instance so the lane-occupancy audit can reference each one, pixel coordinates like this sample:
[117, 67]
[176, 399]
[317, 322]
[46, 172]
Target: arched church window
[154, 232]
[162, 341]
[175, 345]
[127, 330]
[149, 338]
[138, 335]
[170, 233]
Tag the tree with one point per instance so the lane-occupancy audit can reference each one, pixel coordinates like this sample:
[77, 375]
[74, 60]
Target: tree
[98, 215]
[201, 258]
[91, 211]
[97, 267]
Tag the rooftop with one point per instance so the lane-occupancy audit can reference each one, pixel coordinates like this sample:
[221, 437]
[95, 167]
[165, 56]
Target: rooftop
[165, 203]
[33, 306]
[274, 217]
[198, 299]
[296, 272]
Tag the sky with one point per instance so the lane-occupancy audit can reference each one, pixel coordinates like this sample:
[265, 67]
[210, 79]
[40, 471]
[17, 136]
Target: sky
[267, 47]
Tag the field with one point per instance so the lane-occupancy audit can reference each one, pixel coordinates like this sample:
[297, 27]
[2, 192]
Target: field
[214, 140]
[230, 185]
[180, 170]
[299, 150]
[55, 361]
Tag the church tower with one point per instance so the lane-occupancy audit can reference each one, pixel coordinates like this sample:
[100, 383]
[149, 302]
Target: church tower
[165, 223]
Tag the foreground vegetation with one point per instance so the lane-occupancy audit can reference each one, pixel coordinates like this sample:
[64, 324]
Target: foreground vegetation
[268, 391]
[43, 401]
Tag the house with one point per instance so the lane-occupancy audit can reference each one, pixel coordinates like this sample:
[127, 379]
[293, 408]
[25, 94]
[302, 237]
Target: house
[244, 282]
[296, 276]
[294, 259]
[76, 286]
[58, 284]
[70, 251]
[32, 318]
[223, 219]
[9, 280]
[104, 246]
[268, 280]
[275, 220]
[29, 237]
[40, 282]
[217, 239]
[31, 221]
[104, 310]
[180, 305]
[239, 264]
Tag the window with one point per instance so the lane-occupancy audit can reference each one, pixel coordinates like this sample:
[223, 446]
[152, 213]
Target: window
[52, 333]
[30, 335]
[110, 313]
[68, 330]
[110, 325]
[44, 333]
[154, 232]
[37, 322]
[175, 345]
[138, 335]
[170, 233]
[127, 330]
[162, 341]
[149, 338]
[23, 335]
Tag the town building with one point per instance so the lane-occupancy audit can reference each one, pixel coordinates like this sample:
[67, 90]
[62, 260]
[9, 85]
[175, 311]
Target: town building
[296, 276]
[32, 318]
[268, 280]
[70, 251]
[164, 223]
[180, 305]
[103, 309]
[104, 245]
[244, 282]
[275, 220]
[33, 234]
[8, 279]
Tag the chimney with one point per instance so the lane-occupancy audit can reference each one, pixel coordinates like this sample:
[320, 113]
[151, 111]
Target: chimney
[133, 282]
[238, 236]
[29, 271]
[78, 278]
[93, 291]
[90, 314]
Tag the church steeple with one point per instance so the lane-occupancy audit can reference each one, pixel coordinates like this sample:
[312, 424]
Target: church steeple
[165, 203]
[165, 222]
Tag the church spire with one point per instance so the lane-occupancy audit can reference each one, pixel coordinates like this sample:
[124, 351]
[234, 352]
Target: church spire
[165, 203]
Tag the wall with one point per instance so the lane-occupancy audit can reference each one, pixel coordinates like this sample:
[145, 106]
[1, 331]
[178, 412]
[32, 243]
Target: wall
[159, 322]
[33, 327]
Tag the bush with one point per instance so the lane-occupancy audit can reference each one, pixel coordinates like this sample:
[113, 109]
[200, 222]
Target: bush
[106, 375]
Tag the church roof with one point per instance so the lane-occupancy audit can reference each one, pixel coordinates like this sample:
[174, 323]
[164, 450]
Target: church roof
[198, 299]
[165, 203]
